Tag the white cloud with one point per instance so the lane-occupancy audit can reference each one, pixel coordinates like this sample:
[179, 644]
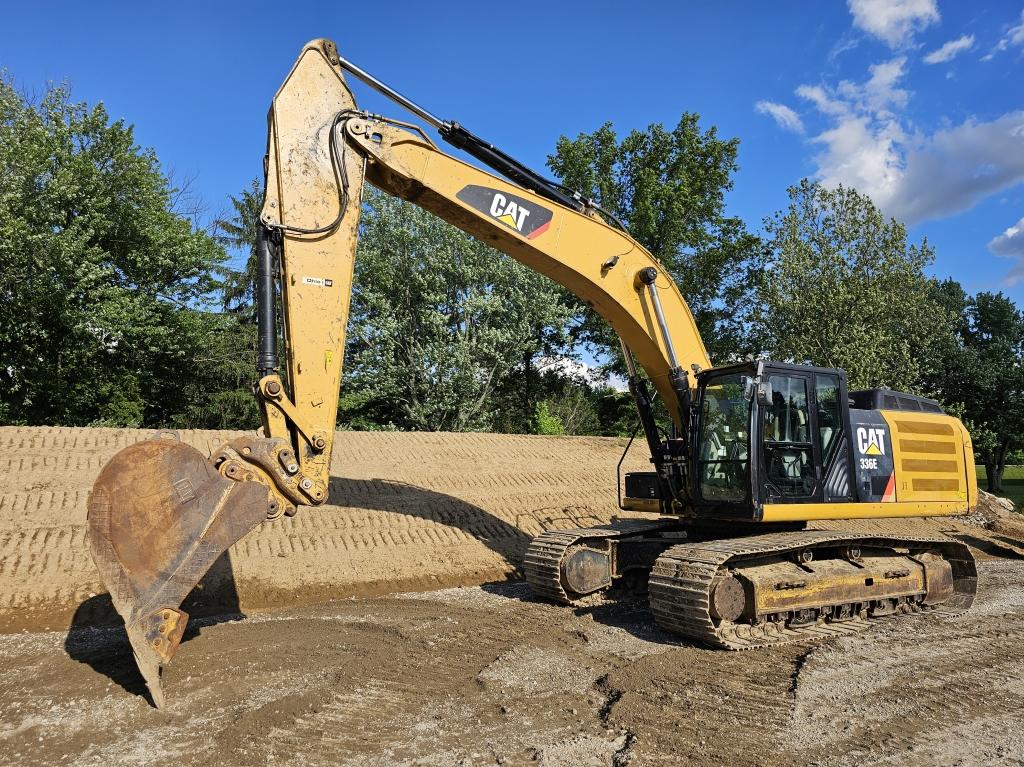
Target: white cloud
[1014, 36]
[880, 92]
[860, 149]
[858, 155]
[894, 21]
[783, 115]
[955, 168]
[1010, 244]
[910, 174]
[820, 98]
[950, 50]
[845, 43]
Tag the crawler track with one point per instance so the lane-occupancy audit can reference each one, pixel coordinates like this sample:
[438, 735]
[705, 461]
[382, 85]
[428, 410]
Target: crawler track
[681, 580]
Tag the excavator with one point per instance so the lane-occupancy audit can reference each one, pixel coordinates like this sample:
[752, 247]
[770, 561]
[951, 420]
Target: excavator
[755, 450]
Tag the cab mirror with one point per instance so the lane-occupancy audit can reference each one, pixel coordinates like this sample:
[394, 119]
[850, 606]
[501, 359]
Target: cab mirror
[749, 387]
[764, 393]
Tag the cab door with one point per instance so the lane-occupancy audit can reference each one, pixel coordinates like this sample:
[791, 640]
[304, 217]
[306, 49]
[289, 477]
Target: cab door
[831, 411]
[790, 442]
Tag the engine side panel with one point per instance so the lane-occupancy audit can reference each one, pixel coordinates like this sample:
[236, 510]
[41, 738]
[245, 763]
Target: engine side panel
[929, 457]
[871, 438]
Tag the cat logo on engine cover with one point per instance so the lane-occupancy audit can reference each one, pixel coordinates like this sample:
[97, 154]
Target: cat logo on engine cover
[871, 441]
[521, 215]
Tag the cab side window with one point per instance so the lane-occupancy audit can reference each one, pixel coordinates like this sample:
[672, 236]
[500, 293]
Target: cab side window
[786, 437]
[830, 424]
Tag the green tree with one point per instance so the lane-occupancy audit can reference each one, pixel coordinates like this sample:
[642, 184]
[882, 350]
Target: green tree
[547, 422]
[668, 188]
[439, 323]
[103, 284]
[238, 233]
[569, 398]
[844, 289]
[982, 373]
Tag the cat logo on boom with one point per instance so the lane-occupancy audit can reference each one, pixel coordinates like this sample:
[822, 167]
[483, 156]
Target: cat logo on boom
[518, 214]
[508, 212]
[871, 441]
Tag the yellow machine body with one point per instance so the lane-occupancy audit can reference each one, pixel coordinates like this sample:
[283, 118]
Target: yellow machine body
[934, 474]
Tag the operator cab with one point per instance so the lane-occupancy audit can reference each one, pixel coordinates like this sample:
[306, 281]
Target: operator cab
[770, 432]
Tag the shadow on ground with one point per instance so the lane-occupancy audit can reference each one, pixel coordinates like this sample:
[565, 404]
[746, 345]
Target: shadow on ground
[97, 636]
[993, 548]
[624, 607]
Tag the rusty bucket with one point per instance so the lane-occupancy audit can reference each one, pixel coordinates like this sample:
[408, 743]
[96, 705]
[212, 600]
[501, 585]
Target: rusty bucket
[159, 516]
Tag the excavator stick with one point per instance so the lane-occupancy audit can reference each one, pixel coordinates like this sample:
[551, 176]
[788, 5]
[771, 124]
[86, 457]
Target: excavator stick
[160, 515]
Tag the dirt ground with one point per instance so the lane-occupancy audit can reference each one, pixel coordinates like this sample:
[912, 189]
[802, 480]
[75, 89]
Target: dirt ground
[473, 675]
[487, 675]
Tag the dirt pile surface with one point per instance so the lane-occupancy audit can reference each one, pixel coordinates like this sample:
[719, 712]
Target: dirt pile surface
[407, 511]
[490, 676]
[999, 515]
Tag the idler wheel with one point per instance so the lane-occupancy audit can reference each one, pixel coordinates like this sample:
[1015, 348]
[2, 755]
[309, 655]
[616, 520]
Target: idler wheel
[727, 598]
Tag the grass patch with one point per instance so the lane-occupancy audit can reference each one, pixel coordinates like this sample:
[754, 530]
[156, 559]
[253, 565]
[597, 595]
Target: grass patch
[1013, 484]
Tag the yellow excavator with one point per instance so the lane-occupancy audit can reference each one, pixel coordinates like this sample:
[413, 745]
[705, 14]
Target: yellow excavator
[754, 451]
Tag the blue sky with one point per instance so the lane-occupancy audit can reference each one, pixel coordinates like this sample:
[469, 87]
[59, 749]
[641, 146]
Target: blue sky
[918, 102]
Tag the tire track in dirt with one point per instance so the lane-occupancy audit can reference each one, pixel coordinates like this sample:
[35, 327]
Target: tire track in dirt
[490, 676]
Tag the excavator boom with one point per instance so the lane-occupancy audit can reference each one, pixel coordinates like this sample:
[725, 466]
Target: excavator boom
[160, 513]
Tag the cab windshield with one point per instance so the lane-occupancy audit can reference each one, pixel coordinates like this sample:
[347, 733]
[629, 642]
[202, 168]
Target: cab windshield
[723, 449]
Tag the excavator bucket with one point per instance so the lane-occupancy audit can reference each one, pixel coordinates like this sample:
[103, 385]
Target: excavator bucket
[159, 516]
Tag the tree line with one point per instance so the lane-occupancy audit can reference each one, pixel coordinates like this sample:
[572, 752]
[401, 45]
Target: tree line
[117, 308]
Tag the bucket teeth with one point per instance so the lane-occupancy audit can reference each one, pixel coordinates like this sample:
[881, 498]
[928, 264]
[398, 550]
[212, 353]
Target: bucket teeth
[166, 627]
[159, 516]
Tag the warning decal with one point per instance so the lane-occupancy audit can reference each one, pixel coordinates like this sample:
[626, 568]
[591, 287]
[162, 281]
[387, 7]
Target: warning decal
[321, 282]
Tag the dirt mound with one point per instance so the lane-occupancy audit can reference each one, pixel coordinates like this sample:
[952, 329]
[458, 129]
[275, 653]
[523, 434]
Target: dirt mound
[408, 511]
[999, 515]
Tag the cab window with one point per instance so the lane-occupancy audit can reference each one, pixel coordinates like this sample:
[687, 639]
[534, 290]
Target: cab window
[722, 461]
[786, 437]
[830, 424]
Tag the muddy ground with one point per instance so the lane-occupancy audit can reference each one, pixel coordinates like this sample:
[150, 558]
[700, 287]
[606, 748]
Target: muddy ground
[477, 675]
[488, 675]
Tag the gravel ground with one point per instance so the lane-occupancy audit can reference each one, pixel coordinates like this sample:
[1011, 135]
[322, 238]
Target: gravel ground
[488, 675]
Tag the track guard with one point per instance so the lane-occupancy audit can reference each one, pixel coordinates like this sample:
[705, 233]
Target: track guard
[159, 516]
